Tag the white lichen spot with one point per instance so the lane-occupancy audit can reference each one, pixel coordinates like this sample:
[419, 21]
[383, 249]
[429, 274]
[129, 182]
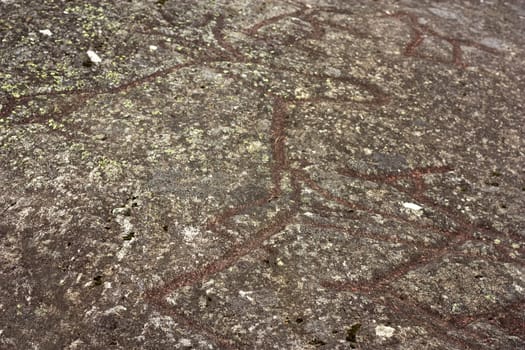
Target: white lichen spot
[254, 147]
[246, 295]
[127, 228]
[367, 151]
[185, 342]
[412, 206]
[116, 310]
[443, 13]
[494, 43]
[189, 233]
[301, 94]
[93, 56]
[490, 297]
[45, 32]
[164, 323]
[124, 250]
[384, 331]
[77, 344]
[333, 72]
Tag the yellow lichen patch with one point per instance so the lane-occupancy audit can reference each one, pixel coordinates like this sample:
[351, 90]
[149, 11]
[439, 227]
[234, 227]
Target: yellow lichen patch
[301, 93]
[110, 167]
[55, 125]
[254, 146]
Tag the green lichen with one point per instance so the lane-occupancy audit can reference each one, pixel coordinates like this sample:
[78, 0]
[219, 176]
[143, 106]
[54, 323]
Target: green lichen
[113, 78]
[11, 89]
[55, 125]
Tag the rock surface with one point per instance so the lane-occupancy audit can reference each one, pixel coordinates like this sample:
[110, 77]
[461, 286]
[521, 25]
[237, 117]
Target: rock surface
[323, 174]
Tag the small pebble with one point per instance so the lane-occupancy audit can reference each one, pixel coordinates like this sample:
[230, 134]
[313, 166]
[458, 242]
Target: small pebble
[46, 32]
[384, 331]
[124, 211]
[412, 206]
[93, 56]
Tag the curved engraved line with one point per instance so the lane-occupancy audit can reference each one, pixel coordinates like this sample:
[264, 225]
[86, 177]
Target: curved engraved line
[196, 325]
[279, 223]
[255, 28]
[419, 30]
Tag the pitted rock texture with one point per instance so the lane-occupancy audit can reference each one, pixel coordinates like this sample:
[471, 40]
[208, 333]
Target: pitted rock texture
[262, 174]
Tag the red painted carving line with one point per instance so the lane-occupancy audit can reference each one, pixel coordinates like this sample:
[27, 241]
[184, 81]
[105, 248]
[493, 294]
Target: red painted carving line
[418, 260]
[300, 174]
[391, 177]
[420, 315]
[347, 29]
[510, 317]
[187, 322]
[317, 29]
[218, 34]
[420, 197]
[411, 46]
[328, 195]
[279, 164]
[459, 236]
[352, 232]
[379, 96]
[14, 102]
[43, 118]
[456, 42]
[157, 295]
[87, 93]
[325, 211]
[279, 223]
[456, 238]
[278, 140]
[420, 30]
[151, 77]
[297, 3]
[417, 182]
[415, 175]
[430, 319]
[465, 225]
[210, 53]
[517, 306]
[457, 54]
[9, 106]
[238, 251]
[218, 220]
[417, 315]
[208, 18]
[306, 13]
[255, 28]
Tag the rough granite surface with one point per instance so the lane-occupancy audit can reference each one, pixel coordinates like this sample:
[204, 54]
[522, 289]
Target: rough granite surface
[262, 174]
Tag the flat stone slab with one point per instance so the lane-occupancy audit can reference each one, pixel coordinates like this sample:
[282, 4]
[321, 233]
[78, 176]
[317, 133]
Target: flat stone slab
[262, 174]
